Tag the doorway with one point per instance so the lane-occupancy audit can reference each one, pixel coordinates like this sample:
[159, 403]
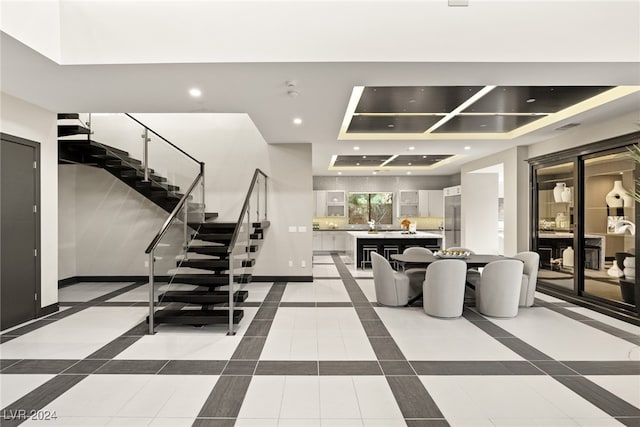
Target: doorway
[19, 230]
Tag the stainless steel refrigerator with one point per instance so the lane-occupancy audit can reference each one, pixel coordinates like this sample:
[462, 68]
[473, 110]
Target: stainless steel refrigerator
[452, 220]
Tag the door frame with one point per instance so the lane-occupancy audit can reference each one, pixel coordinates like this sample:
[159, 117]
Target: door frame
[39, 311]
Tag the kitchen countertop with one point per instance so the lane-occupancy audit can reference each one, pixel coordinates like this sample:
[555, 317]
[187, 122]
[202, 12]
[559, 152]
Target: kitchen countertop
[395, 235]
[390, 230]
[567, 235]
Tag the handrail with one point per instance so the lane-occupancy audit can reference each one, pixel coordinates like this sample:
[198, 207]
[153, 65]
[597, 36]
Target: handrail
[162, 138]
[174, 212]
[236, 231]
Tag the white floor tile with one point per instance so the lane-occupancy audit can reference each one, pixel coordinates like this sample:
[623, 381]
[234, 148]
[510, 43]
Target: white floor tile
[533, 422]
[626, 387]
[129, 422]
[324, 259]
[368, 288]
[264, 398]
[597, 422]
[384, 423]
[316, 291]
[70, 422]
[172, 422]
[338, 398]
[136, 396]
[328, 333]
[628, 327]
[14, 386]
[8, 330]
[421, 337]
[76, 336]
[375, 398]
[283, 422]
[548, 298]
[563, 338]
[253, 422]
[320, 270]
[301, 398]
[507, 397]
[348, 422]
[257, 290]
[83, 292]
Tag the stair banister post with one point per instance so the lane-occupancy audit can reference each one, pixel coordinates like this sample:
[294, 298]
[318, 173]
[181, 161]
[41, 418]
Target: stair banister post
[265, 198]
[258, 202]
[185, 224]
[145, 154]
[231, 281]
[151, 290]
[204, 205]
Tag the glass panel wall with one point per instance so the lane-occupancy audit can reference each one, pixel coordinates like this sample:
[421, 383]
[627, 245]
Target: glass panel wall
[609, 227]
[555, 227]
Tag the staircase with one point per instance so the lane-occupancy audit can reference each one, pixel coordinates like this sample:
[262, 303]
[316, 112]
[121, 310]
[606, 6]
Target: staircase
[213, 253]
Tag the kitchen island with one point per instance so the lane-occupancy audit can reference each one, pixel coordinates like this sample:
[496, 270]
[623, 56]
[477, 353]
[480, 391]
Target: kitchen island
[387, 243]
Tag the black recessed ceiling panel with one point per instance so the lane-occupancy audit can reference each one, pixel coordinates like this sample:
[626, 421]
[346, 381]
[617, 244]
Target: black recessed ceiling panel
[417, 160]
[360, 161]
[392, 124]
[485, 124]
[414, 99]
[533, 99]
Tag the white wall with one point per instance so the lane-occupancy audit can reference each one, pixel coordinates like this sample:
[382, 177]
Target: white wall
[516, 197]
[28, 121]
[479, 212]
[67, 224]
[231, 147]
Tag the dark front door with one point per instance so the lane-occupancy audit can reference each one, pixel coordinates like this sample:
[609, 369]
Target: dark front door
[18, 231]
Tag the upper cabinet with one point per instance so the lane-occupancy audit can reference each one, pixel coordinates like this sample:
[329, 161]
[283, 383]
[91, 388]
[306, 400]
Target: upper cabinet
[329, 203]
[420, 203]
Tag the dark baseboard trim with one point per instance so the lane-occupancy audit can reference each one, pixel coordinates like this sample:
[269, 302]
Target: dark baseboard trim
[282, 278]
[45, 311]
[78, 279]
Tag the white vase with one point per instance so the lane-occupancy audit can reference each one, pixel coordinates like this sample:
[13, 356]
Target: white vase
[628, 200]
[567, 257]
[615, 197]
[566, 195]
[557, 191]
[614, 271]
[629, 273]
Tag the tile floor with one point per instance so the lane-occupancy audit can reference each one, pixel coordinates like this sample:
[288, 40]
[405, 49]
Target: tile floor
[318, 354]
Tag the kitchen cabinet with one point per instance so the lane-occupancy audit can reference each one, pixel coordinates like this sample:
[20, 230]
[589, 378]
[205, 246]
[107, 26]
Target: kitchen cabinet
[420, 203]
[329, 241]
[329, 203]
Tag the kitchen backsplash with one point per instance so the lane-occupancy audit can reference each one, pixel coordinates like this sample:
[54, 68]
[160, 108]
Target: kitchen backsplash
[340, 223]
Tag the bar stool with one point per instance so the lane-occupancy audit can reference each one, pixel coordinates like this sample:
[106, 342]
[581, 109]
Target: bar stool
[391, 250]
[366, 254]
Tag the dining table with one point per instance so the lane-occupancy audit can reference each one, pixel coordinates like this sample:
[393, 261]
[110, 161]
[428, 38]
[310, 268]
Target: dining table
[423, 260]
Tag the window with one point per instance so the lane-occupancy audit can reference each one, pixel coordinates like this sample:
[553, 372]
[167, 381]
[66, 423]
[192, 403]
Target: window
[364, 207]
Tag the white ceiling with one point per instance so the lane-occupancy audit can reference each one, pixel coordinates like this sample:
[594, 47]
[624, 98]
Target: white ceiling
[143, 56]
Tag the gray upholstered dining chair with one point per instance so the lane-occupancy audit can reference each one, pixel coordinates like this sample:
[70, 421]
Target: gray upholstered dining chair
[473, 274]
[443, 288]
[416, 275]
[531, 262]
[498, 292]
[392, 287]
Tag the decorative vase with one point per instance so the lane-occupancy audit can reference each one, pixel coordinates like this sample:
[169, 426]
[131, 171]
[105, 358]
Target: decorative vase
[557, 191]
[567, 257]
[561, 221]
[614, 271]
[566, 195]
[615, 197]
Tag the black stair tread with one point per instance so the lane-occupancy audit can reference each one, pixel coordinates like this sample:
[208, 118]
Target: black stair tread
[112, 159]
[210, 216]
[202, 297]
[214, 237]
[215, 264]
[69, 130]
[136, 174]
[156, 186]
[217, 250]
[210, 279]
[90, 145]
[196, 317]
[62, 116]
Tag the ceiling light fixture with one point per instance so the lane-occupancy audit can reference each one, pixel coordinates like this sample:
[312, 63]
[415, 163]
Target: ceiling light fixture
[411, 101]
[339, 173]
[195, 92]
[467, 148]
[408, 172]
[409, 164]
[391, 125]
[390, 159]
[375, 173]
[297, 121]
[358, 164]
[364, 157]
[530, 100]
[482, 92]
[412, 148]
[424, 157]
[356, 148]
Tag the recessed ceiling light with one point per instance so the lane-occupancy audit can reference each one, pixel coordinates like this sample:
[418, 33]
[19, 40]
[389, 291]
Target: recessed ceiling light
[424, 157]
[412, 148]
[391, 125]
[364, 157]
[339, 173]
[467, 148]
[375, 173]
[530, 100]
[409, 164]
[195, 92]
[297, 121]
[483, 125]
[356, 148]
[408, 172]
[411, 101]
[358, 164]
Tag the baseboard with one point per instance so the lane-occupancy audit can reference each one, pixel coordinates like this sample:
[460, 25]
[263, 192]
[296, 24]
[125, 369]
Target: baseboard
[45, 311]
[78, 279]
[282, 278]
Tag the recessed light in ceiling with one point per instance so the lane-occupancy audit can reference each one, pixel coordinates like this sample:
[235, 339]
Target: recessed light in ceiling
[339, 173]
[408, 172]
[409, 164]
[364, 157]
[375, 173]
[530, 100]
[424, 157]
[358, 164]
[391, 125]
[195, 92]
[356, 148]
[412, 148]
[297, 121]
[411, 101]
[467, 148]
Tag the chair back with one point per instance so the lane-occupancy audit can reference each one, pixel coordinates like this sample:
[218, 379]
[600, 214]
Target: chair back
[417, 250]
[531, 262]
[498, 293]
[457, 248]
[388, 290]
[443, 289]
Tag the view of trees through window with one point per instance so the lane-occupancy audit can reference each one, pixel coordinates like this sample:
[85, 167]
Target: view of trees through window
[364, 207]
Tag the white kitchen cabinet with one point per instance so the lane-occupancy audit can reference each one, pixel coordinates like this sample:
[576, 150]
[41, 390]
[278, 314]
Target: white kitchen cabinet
[329, 203]
[329, 241]
[320, 200]
[435, 204]
[420, 203]
[408, 203]
[317, 240]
